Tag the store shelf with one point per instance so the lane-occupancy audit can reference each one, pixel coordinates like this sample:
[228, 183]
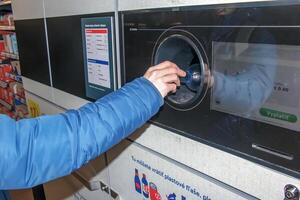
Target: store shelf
[5, 104]
[10, 55]
[7, 28]
[5, 3]
[14, 77]
[3, 84]
[15, 105]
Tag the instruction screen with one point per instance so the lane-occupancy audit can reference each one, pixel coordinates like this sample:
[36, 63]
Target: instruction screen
[98, 58]
[258, 81]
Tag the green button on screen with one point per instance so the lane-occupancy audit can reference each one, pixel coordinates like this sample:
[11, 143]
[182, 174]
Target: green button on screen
[278, 115]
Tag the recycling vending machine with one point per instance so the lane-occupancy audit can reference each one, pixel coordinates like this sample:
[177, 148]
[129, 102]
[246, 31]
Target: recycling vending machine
[228, 132]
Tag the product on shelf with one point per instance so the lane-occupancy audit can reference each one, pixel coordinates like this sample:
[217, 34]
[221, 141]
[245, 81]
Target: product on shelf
[12, 94]
[4, 69]
[9, 43]
[6, 19]
[16, 65]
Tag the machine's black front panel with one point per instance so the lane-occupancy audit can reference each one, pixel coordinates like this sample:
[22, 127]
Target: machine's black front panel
[66, 52]
[264, 33]
[33, 49]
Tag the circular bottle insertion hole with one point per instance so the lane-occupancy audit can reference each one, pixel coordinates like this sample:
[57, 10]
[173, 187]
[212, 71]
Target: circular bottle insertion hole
[186, 52]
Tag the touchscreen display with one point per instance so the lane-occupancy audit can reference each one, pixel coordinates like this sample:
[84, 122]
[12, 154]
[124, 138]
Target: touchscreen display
[258, 81]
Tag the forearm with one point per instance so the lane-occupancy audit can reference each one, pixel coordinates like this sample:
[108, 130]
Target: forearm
[115, 116]
[34, 151]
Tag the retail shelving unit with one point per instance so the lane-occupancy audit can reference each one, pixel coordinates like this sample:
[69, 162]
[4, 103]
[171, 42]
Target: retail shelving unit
[12, 97]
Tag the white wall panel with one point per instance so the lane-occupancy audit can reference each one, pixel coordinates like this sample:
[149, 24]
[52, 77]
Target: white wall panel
[27, 9]
[56, 8]
[37, 88]
[146, 4]
[172, 177]
[44, 106]
[53, 95]
[254, 179]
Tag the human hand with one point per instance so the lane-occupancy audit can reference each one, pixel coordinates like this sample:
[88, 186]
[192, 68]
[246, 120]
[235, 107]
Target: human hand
[165, 77]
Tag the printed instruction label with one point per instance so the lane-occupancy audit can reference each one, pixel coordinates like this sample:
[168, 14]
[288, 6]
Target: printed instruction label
[97, 51]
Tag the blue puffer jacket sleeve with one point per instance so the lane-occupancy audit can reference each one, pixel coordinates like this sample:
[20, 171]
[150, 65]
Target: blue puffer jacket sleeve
[34, 151]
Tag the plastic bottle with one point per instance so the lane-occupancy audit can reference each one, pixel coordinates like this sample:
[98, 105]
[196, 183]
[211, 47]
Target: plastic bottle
[145, 186]
[171, 196]
[137, 182]
[154, 194]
